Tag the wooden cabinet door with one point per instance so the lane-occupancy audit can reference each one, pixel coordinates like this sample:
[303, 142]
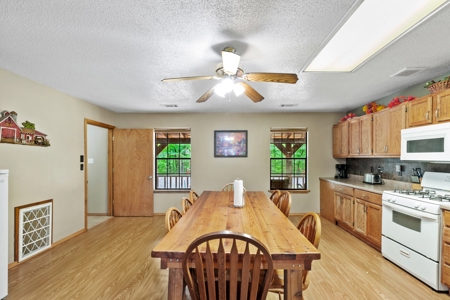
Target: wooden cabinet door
[327, 200]
[338, 206]
[354, 137]
[373, 213]
[397, 118]
[337, 141]
[344, 138]
[420, 112]
[442, 107]
[366, 135]
[381, 128]
[347, 211]
[133, 172]
[360, 216]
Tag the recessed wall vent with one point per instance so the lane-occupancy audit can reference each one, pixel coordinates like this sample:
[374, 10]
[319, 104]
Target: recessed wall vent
[407, 72]
[288, 105]
[34, 229]
[169, 105]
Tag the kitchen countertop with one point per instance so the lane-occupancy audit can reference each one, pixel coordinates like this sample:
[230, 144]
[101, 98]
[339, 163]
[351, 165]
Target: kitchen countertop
[356, 181]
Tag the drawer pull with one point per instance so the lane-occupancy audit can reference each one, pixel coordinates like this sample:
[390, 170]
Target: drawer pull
[365, 197]
[404, 253]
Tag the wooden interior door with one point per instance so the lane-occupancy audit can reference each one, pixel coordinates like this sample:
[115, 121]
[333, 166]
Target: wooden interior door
[133, 172]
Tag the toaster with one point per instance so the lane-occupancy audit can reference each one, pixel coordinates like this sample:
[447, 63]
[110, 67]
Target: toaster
[372, 178]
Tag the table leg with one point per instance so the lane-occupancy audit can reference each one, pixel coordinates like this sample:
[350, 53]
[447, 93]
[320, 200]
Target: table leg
[176, 291]
[293, 284]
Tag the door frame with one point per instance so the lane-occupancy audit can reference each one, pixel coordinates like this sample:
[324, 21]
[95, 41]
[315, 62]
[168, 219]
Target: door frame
[110, 166]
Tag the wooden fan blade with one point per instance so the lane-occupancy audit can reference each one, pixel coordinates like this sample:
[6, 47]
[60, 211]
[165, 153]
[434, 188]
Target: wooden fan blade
[251, 92]
[206, 95]
[189, 78]
[271, 77]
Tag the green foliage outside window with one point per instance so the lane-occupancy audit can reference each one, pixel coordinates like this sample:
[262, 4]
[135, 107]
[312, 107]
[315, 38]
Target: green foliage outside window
[298, 160]
[170, 160]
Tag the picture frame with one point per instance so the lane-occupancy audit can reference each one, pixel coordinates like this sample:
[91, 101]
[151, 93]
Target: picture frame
[230, 143]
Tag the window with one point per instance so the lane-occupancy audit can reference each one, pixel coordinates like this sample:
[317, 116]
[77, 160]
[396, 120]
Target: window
[173, 159]
[288, 159]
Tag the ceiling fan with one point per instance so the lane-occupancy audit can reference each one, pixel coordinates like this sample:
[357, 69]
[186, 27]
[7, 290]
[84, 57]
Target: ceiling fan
[234, 79]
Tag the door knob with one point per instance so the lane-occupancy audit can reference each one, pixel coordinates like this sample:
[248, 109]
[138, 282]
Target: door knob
[150, 177]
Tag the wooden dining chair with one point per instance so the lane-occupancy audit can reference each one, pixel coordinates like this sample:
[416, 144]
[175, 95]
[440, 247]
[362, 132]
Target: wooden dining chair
[185, 203]
[311, 227]
[213, 268]
[173, 215]
[229, 187]
[274, 197]
[193, 196]
[284, 203]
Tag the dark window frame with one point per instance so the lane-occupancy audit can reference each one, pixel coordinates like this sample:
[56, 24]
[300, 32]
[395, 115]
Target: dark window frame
[177, 180]
[294, 169]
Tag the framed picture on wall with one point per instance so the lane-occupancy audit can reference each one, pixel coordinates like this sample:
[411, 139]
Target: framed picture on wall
[230, 143]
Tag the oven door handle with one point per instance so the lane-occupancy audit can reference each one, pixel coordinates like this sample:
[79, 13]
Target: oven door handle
[416, 214]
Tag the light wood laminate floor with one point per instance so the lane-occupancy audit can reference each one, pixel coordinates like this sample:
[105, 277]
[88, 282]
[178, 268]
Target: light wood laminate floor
[112, 261]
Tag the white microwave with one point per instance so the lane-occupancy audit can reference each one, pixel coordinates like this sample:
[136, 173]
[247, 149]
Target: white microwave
[426, 143]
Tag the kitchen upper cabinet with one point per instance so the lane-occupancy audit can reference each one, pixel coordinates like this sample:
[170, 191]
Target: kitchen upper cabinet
[340, 140]
[430, 109]
[442, 107]
[360, 136]
[327, 200]
[387, 126]
[420, 112]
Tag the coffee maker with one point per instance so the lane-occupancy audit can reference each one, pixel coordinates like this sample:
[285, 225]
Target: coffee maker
[341, 171]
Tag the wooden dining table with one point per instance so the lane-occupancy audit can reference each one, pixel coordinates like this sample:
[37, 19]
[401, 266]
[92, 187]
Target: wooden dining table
[214, 211]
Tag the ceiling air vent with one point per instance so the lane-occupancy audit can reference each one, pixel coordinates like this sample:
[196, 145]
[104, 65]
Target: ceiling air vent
[288, 105]
[407, 71]
[169, 105]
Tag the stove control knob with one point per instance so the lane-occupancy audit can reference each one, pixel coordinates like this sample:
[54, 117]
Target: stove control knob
[416, 205]
[393, 200]
[422, 207]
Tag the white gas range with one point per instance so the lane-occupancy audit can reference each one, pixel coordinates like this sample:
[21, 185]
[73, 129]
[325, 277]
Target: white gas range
[412, 228]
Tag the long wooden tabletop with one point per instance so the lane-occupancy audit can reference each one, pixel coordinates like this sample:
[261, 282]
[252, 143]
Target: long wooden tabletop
[214, 211]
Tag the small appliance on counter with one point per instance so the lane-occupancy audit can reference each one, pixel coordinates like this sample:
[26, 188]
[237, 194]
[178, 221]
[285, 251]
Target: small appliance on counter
[341, 171]
[371, 178]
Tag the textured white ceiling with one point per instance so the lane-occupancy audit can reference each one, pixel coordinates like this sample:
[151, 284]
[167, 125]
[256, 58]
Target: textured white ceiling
[115, 53]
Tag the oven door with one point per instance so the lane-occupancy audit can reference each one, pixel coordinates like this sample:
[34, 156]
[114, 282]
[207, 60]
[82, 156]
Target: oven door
[417, 230]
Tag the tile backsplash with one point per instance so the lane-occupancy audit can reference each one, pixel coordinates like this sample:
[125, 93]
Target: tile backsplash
[359, 166]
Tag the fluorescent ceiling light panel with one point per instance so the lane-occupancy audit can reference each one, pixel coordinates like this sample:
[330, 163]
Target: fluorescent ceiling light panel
[374, 25]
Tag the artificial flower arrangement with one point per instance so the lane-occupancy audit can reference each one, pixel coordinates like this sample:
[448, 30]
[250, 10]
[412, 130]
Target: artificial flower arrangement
[372, 107]
[347, 116]
[434, 86]
[398, 100]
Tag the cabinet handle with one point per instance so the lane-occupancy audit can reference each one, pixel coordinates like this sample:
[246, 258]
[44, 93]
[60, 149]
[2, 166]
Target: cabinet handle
[427, 115]
[365, 208]
[436, 113]
[359, 150]
[365, 197]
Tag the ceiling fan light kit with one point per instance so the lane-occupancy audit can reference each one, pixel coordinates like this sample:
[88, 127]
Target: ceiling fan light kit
[233, 78]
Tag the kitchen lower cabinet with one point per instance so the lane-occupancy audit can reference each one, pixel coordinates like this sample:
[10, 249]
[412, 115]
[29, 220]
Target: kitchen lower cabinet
[368, 217]
[343, 205]
[327, 200]
[359, 212]
[445, 264]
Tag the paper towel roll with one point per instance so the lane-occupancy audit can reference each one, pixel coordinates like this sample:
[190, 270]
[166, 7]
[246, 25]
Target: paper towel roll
[238, 193]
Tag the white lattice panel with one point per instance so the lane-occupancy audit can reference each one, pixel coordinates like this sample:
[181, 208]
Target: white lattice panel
[35, 232]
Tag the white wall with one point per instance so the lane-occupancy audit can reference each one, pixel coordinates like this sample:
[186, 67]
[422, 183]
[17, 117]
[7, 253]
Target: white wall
[41, 173]
[38, 173]
[210, 173]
